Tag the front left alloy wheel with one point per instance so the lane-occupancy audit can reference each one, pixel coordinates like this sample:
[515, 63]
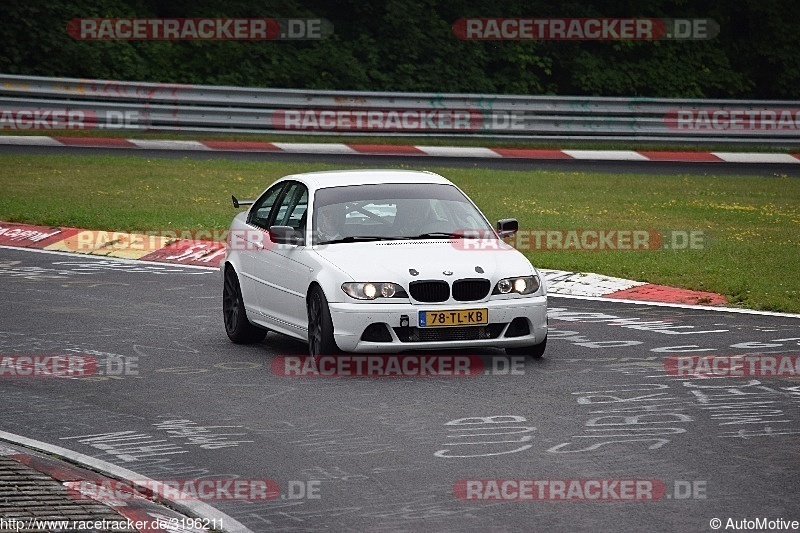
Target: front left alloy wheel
[238, 328]
[320, 325]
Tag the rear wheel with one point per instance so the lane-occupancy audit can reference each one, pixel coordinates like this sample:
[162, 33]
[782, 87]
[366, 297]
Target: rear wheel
[536, 351]
[320, 325]
[238, 328]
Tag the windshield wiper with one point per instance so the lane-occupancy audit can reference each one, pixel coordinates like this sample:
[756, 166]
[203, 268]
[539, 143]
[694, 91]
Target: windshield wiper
[431, 235]
[443, 235]
[358, 238]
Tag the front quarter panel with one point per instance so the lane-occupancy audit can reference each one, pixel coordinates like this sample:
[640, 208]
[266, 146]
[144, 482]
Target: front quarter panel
[234, 256]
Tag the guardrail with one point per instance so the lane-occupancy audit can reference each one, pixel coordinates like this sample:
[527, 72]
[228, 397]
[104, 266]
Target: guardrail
[36, 103]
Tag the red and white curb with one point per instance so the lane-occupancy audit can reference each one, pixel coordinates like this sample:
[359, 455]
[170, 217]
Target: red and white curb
[136, 506]
[402, 150]
[210, 254]
[597, 285]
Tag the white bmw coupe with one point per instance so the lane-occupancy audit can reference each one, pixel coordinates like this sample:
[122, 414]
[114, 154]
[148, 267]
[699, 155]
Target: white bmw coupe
[378, 261]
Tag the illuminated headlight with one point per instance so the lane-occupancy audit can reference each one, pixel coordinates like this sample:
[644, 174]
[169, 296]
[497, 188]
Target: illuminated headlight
[520, 285]
[373, 290]
[370, 291]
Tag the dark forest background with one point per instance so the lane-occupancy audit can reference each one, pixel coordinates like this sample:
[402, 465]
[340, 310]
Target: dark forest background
[408, 45]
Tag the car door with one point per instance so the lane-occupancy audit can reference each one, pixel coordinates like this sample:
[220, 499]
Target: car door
[283, 268]
[254, 240]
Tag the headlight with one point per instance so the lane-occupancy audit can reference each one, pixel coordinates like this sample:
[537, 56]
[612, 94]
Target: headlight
[504, 286]
[373, 290]
[520, 285]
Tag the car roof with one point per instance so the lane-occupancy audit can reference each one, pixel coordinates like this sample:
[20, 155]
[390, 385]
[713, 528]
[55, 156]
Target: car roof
[339, 178]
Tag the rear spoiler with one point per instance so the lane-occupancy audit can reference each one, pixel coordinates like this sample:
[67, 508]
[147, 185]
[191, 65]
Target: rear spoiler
[238, 203]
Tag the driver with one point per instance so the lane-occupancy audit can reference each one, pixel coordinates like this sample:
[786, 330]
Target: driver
[414, 217]
[329, 222]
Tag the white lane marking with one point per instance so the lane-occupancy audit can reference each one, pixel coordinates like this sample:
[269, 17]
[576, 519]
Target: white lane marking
[167, 144]
[606, 155]
[316, 148]
[29, 140]
[676, 305]
[458, 151]
[198, 508]
[738, 157]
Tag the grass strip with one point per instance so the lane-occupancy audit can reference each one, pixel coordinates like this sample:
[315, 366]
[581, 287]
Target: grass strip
[749, 226]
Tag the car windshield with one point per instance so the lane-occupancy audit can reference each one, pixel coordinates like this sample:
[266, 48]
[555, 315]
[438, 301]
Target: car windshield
[394, 211]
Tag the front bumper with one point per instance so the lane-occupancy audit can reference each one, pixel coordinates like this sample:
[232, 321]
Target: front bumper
[350, 320]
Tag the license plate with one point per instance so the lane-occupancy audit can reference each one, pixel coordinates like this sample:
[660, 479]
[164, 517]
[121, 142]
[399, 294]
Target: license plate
[462, 317]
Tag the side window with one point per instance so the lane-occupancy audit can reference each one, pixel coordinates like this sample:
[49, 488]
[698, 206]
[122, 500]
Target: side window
[297, 217]
[292, 207]
[259, 214]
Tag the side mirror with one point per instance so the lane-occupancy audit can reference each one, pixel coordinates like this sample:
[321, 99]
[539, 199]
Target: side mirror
[507, 227]
[284, 235]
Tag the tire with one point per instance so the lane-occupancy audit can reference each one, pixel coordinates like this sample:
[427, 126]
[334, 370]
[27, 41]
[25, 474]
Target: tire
[320, 325]
[536, 351]
[237, 326]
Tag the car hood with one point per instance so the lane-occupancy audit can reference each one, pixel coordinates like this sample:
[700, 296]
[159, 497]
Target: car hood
[393, 260]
